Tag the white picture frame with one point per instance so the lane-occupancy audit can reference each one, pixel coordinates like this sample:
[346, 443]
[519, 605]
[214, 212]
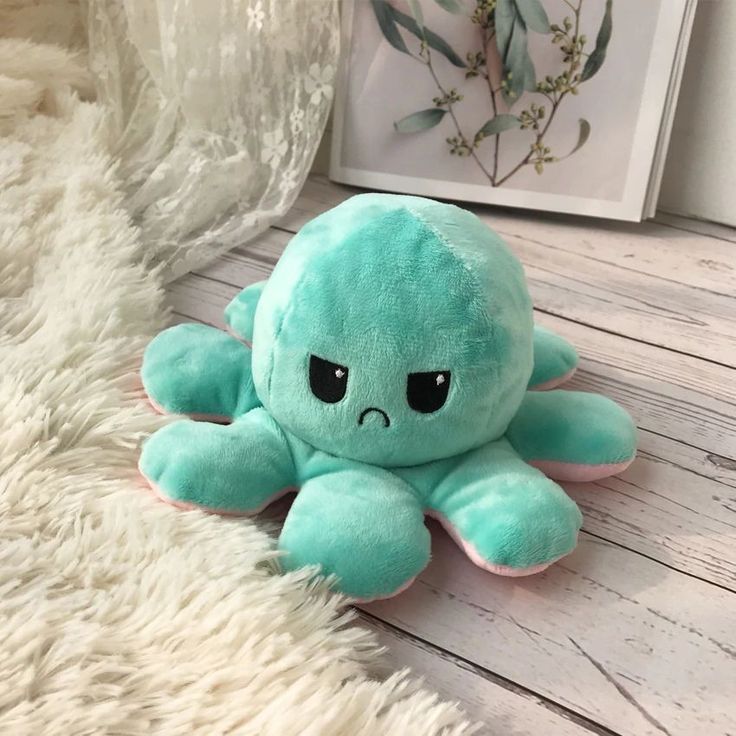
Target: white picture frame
[376, 85]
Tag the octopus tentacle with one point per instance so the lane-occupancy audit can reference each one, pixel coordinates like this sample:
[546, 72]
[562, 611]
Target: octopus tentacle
[363, 525]
[236, 469]
[240, 313]
[555, 360]
[199, 371]
[508, 517]
[571, 435]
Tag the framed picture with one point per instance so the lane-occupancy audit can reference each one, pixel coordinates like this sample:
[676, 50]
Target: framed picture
[561, 105]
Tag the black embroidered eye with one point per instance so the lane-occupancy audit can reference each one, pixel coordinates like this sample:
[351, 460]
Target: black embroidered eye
[328, 381]
[427, 392]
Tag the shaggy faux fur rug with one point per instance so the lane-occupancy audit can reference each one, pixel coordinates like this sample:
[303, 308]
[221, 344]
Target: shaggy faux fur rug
[119, 614]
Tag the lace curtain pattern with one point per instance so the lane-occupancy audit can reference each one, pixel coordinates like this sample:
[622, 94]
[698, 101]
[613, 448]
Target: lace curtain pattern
[216, 109]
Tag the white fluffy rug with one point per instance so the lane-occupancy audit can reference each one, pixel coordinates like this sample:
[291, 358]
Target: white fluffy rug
[118, 614]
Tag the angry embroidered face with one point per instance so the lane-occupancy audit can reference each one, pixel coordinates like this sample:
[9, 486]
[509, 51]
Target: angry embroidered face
[426, 392]
[394, 331]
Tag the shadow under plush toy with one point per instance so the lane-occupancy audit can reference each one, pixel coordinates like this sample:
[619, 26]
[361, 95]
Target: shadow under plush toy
[393, 347]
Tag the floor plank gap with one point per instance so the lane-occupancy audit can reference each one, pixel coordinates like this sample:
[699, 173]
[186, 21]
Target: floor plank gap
[494, 677]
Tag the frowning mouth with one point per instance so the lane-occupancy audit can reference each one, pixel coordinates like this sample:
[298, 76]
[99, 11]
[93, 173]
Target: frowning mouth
[366, 412]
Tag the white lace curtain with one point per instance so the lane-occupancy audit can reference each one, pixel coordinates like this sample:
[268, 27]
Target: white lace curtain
[217, 108]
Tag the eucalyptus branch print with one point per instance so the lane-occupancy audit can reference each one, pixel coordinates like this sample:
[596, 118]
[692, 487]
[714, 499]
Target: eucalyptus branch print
[502, 64]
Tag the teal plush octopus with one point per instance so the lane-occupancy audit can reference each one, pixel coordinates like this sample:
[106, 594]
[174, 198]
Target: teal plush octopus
[393, 349]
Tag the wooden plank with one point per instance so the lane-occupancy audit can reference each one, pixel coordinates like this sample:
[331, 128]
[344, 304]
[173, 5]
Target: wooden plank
[701, 227]
[501, 706]
[317, 195]
[624, 302]
[622, 640]
[229, 266]
[675, 395]
[268, 248]
[663, 509]
[204, 294]
[200, 298]
[649, 248]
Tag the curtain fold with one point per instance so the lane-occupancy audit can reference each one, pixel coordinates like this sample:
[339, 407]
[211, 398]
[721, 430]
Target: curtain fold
[216, 110]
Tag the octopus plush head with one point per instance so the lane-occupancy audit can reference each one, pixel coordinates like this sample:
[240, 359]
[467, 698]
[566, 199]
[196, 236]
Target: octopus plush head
[394, 331]
[389, 368]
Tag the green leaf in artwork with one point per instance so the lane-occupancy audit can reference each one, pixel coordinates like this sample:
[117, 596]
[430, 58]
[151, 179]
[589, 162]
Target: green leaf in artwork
[499, 123]
[515, 63]
[511, 40]
[424, 34]
[530, 74]
[387, 23]
[598, 55]
[416, 11]
[451, 6]
[418, 121]
[505, 16]
[583, 135]
[533, 15]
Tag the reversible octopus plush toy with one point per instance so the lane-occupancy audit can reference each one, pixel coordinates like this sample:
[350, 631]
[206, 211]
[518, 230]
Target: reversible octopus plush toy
[384, 371]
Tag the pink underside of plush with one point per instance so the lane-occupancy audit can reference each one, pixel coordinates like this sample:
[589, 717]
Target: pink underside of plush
[239, 338]
[186, 506]
[554, 382]
[399, 590]
[579, 473]
[214, 418]
[477, 559]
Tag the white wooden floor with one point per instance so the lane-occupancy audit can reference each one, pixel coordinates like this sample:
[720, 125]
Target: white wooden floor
[634, 633]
